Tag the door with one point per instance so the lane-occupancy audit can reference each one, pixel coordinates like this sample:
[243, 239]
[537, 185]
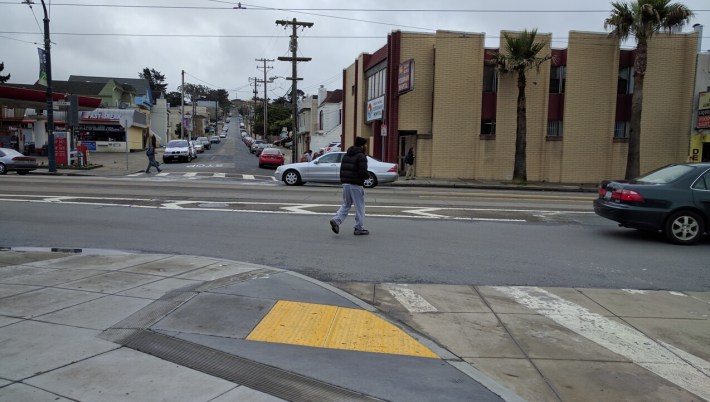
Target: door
[326, 168]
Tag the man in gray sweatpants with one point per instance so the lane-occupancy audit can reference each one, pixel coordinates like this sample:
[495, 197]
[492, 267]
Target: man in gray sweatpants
[353, 173]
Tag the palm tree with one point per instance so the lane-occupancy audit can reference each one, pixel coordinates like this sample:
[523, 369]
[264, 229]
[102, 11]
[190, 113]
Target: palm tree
[520, 56]
[642, 19]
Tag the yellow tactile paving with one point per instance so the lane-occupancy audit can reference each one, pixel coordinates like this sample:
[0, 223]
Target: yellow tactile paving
[324, 326]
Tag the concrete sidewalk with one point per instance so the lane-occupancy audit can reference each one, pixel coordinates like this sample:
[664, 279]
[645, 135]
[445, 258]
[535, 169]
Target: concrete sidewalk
[97, 325]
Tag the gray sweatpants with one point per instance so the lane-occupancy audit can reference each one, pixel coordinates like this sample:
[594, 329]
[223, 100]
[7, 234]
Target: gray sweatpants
[352, 195]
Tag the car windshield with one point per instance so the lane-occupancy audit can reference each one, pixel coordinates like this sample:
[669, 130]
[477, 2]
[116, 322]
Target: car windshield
[177, 144]
[664, 175]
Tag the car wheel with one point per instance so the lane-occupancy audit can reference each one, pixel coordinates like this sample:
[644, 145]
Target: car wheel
[292, 178]
[3, 169]
[22, 172]
[371, 180]
[684, 227]
[261, 166]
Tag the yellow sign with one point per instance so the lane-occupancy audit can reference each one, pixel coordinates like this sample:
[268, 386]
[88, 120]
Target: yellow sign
[703, 100]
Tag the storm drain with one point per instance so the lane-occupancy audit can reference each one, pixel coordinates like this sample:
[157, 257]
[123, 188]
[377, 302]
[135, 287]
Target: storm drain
[270, 380]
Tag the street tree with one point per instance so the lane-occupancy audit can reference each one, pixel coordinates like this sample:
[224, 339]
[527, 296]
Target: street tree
[3, 78]
[642, 19]
[174, 98]
[521, 54]
[155, 79]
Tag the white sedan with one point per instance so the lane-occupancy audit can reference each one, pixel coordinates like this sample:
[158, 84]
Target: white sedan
[326, 169]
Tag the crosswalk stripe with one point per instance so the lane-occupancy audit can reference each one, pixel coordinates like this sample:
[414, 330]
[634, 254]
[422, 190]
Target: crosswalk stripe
[619, 338]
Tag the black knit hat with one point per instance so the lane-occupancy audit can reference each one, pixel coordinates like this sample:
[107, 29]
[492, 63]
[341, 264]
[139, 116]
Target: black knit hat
[359, 141]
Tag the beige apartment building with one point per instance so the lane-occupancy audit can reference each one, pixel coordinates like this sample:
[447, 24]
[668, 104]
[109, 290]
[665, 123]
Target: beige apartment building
[437, 94]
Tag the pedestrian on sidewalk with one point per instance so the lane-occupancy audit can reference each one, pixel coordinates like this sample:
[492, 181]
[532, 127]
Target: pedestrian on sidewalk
[150, 152]
[353, 172]
[409, 164]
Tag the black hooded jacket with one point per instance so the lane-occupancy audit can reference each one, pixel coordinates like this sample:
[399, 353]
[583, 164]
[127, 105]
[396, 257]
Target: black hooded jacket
[353, 168]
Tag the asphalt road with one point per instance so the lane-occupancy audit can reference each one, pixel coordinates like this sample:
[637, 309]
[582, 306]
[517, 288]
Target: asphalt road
[400, 249]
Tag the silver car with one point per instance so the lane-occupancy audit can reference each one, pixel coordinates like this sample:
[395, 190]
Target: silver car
[326, 169]
[11, 160]
[177, 151]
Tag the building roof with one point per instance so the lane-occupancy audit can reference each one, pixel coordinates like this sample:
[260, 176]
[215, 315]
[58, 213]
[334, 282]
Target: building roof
[335, 96]
[139, 86]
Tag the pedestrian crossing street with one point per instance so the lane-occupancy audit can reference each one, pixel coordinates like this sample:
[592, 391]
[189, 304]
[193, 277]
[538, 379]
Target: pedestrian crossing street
[203, 176]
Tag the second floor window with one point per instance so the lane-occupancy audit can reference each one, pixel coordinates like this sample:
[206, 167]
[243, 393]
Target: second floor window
[626, 81]
[490, 81]
[557, 79]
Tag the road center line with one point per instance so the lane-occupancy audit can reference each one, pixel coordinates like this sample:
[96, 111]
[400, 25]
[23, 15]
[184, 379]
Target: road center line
[670, 363]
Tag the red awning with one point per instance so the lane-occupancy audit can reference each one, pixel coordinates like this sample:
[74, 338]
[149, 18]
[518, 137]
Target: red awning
[32, 98]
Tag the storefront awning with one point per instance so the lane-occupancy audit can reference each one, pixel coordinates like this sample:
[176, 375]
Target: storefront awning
[16, 97]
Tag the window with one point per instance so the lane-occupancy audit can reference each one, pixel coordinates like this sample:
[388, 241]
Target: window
[554, 128]
[376, 84]
[703, 182]
[488, 127]
[490, 81]
[557, 79]
[626, 81]
[621, 129]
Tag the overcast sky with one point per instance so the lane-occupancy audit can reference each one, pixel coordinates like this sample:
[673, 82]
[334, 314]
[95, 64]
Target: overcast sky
[217, 45]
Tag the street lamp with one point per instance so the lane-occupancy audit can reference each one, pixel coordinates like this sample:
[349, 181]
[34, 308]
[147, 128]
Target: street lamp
[50, 107]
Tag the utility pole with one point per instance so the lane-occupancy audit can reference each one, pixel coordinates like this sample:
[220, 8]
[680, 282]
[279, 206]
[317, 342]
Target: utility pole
[253, 116]
[266, 95]
[294, 76]
[182, 107]
[51, 158]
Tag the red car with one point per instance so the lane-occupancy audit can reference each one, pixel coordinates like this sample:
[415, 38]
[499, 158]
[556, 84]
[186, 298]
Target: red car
[271, 157]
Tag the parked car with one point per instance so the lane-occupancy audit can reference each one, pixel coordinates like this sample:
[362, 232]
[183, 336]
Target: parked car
[326, 169]
[199, 147]
[177, 151]
[205, 142]
[674, 199]
[12, 160]
[244, 134]
[215, 139]
[193, 150]
[248, 141]
[261, 147]
[271, 157]
[331, 147]
[223, 134]
[255, 144]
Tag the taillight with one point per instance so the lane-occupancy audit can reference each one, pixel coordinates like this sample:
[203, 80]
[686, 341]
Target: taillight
[601, 191]
[393, 169]
[627, 195]
[23, 158]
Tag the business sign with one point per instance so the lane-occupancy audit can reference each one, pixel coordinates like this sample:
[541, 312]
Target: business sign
[703, 110]
[405, 80]
[61, 147]
[101, 115]
[375, 108]
[90, 145]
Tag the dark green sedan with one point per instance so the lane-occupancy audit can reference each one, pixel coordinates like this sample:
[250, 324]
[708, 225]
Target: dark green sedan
[674, 199]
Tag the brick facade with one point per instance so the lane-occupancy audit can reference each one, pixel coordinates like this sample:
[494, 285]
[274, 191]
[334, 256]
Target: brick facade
[441, 115]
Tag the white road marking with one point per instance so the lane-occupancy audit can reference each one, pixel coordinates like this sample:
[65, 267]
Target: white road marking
[425, 212]
[683, 369]
[248, 177]
[413, 302]
[221, 175]
[190, 174]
